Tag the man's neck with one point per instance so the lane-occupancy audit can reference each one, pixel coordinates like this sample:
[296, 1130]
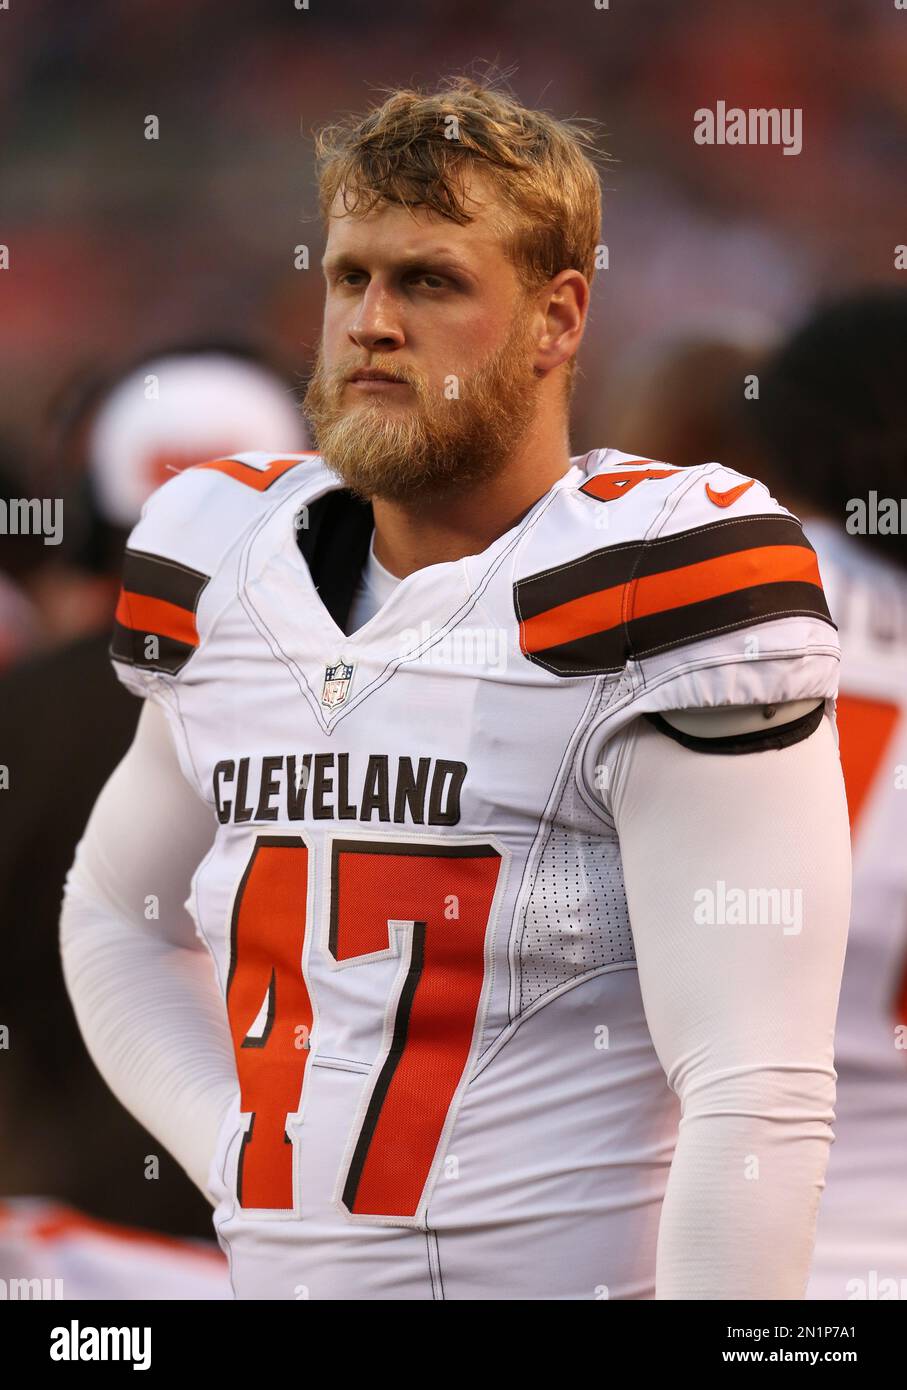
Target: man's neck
[411, 535]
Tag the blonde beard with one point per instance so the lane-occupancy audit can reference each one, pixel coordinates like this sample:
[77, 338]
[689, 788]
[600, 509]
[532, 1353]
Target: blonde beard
[439, 445]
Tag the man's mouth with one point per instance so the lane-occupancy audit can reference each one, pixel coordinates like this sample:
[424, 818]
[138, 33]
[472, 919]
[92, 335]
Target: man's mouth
[370, 380]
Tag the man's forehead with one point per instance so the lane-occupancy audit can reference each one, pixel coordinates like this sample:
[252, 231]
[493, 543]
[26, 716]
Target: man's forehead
[415, 231]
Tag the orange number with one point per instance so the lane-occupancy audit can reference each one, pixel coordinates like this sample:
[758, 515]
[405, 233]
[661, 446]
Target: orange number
[258, 478]
[266, 941]
[608, 487]
[439, 899]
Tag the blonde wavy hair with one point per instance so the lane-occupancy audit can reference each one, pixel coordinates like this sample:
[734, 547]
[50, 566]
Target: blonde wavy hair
[416, 149]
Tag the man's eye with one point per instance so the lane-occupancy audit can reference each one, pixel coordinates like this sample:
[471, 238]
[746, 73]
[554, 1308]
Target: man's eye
[432, 282]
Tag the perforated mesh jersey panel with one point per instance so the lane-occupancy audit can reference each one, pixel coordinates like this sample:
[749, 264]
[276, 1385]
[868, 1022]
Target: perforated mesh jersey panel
[576, 918]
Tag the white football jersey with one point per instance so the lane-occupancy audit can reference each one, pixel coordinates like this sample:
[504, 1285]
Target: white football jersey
[414, 901]
[861, 1239]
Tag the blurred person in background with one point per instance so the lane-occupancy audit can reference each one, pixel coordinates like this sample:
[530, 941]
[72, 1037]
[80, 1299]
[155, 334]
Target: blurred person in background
[76, 1256]
[115, 437]
[828, 425]
[831, 424]
[682, 397]
[65, 721]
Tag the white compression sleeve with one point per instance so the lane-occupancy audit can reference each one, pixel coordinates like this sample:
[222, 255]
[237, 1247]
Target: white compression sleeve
[144, 991]
[742, 1015]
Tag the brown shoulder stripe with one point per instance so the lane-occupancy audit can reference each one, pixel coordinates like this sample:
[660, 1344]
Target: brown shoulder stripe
[158, 599]
[629, 601]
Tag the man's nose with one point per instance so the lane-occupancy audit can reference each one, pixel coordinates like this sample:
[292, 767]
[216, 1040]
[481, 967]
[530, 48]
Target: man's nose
[377, 327]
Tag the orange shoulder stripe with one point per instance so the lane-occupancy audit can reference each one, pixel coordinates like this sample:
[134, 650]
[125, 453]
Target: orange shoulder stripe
[156, 615]
[656, 593]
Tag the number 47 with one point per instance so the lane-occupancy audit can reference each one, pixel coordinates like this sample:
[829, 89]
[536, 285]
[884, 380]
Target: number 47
[429, 1038]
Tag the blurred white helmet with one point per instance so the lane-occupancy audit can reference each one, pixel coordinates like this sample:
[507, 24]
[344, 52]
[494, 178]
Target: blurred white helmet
[179, 409]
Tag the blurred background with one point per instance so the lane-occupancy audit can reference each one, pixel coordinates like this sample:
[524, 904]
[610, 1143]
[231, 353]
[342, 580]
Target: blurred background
[182, 252]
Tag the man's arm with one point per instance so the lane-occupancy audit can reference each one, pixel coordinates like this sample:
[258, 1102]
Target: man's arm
[142, 985]
[737, 871]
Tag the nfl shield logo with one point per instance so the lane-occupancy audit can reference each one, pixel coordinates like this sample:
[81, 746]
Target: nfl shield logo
[336, 684]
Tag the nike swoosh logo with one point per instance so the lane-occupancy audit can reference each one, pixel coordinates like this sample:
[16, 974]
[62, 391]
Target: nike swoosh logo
[724, 499]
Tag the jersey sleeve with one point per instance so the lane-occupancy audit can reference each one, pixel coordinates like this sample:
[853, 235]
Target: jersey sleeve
[726, 609]
[709, 596]
[144, 990]
[742, 1016]
[177, 574]
[181, 570]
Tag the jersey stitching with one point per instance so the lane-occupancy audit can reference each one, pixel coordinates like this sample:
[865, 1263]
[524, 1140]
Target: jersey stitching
[776, 654]
[229, 1214]
[649, 540]
[188, 746]
[434, 1264]
[173, 564]
[540, 839]
[259, 622]
[654, 540]
[329, 1063]
[239, 545]
[625, 741]
[778, 615]
[544, 830]
[598, 808]
[506, 1034]
[522, 933]
[217, 570]
[467, 606]
[710, 664]
[199, 929]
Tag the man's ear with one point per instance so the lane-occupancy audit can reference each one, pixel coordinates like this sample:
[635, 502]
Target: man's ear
[741, 728]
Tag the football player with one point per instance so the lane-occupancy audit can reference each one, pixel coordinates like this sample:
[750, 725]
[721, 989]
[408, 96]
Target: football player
[468, 915]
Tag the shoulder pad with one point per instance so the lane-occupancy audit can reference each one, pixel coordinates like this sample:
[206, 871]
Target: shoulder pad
[642, 558]
[188, 529]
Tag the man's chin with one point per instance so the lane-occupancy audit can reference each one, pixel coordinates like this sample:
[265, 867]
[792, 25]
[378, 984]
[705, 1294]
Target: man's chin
[393, 408]
[394, 476]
